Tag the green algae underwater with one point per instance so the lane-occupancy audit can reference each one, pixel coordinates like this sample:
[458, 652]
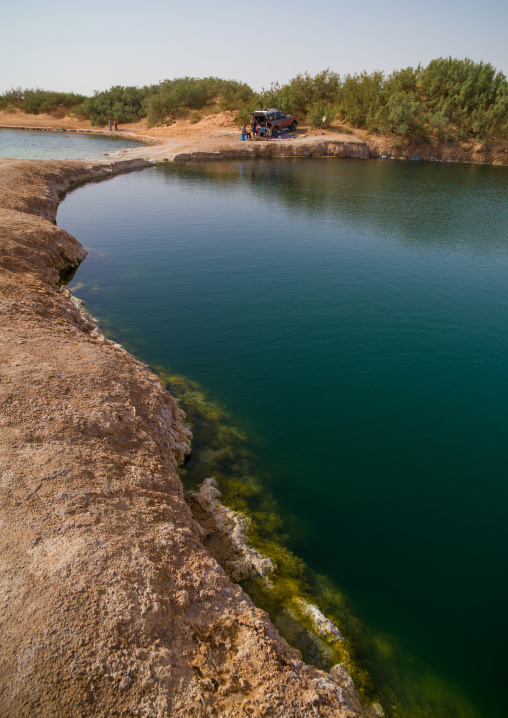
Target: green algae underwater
[383, 672]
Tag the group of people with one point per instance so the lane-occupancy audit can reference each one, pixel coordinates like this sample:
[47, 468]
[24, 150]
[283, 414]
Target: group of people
[116, 126]
[257, 130]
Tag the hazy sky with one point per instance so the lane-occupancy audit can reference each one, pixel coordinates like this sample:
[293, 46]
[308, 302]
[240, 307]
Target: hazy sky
[93, 45]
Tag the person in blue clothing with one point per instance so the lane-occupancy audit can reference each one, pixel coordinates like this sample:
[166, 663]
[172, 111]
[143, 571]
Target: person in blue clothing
[246, 132]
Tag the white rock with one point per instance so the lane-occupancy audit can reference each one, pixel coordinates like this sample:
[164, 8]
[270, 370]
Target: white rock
[249, 562]
[322, 625]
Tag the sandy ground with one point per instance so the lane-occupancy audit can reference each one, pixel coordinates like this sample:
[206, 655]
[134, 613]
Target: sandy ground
[220, 125]
[216, 136]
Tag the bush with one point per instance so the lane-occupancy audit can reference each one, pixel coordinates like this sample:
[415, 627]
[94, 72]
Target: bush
[318, 111]
[234, 95]
[400, 115]
[296, 97]
[468, 94]
[194, 94]
[243, 117]
[11, 98]
[441, 126]
[449, 98]
[124, 104]
[41, 101]
[360, 99]
[37, 101]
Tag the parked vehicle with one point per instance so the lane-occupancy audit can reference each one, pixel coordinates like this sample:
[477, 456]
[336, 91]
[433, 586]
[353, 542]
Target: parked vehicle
[277, 119]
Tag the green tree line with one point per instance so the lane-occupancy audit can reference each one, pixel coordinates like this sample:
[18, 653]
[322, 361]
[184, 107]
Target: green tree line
[451, 99]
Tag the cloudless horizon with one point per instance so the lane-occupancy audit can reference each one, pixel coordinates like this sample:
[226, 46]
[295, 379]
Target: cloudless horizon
[82, 48]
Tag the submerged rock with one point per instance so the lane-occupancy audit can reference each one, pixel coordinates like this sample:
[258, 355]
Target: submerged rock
[225, 534]
[322, 625]
[376, 710]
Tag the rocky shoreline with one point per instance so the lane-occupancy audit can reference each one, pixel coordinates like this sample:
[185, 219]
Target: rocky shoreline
[329, 145]
[332, 147]
[112, 605]
[217, 137]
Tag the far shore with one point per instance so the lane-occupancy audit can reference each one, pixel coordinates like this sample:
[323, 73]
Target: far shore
[216, 136]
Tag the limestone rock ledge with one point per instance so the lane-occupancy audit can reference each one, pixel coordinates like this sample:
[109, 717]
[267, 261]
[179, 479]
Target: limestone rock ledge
[224, 534]
[110, 605]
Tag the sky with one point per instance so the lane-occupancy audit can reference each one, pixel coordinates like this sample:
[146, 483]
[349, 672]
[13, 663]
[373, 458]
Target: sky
[88, 46]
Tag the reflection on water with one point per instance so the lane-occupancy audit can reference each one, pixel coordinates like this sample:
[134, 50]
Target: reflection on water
[352, 315]
[426, 211]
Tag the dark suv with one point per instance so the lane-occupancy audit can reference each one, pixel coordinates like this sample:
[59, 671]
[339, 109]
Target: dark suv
[277, 119]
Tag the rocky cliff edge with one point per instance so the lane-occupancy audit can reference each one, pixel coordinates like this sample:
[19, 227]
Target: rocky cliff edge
[109, 603]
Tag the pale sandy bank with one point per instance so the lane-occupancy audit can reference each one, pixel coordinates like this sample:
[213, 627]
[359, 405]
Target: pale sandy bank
[216, 136]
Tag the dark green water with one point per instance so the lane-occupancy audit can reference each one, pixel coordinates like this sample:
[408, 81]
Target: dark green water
[354, 316]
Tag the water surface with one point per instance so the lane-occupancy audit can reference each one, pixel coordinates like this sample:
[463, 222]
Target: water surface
[59, 145]
[353, 315]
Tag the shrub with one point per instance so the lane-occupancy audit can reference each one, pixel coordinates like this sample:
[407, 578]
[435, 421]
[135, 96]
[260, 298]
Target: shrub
[11, 98]
[243, 117]
[234, 95]
[268, 98]
[450, 98]
[124, 104]
[300, 94]
[296, 96]
[441, 125]
[318, 111]
[36, 101]
[400, 115]
[169, 96]
[360, 99]
[464, 92]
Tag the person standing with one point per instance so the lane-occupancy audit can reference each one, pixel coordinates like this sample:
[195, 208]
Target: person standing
[110, 128]
[116, 126]
[269, 130]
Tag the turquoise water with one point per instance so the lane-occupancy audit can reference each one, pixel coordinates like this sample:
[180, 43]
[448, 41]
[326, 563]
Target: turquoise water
[45, 145]
[353, 316]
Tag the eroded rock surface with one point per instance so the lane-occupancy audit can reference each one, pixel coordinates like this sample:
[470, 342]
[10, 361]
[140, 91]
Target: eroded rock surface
[110, 605]
[224, 534]
[322, 625]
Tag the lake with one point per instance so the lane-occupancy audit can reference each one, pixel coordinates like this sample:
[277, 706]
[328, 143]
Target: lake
[352, 315]
[59, 145]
